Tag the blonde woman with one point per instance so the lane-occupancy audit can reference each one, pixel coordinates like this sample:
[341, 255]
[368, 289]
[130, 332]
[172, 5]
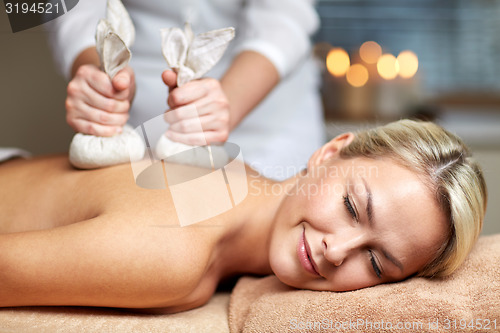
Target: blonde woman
[373, 207]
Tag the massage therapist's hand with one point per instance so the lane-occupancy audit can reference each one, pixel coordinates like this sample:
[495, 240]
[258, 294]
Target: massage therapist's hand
[95, 104]
[212, 106]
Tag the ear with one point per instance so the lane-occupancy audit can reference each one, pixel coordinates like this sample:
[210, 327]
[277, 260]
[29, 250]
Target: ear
[206, 50]
[330, 150]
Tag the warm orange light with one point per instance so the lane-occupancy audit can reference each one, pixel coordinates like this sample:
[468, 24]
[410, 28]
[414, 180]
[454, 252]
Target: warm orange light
[408, 64]
[357, 75]
[337, 62]
[370, 52]
[387, 66]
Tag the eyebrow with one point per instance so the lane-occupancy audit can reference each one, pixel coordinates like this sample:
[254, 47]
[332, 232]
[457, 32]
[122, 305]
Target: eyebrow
[371, 221]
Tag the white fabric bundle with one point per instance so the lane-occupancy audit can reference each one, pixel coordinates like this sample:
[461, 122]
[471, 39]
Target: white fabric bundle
[188, 55]
[191, 57]
[114, 36]
[91, 152]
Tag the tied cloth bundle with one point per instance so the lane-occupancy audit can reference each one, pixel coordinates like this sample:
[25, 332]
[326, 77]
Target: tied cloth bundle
[191, 57]
[114, 36]
[188, 55]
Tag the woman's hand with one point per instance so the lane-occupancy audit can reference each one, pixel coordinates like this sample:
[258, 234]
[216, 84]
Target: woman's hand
[211, 104]
[95, 104]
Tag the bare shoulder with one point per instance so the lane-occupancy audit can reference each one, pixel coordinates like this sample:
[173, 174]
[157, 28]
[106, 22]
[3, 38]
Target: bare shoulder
[179, 259]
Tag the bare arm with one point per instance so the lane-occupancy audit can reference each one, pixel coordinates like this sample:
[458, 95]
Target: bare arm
[105, 261]
[88, 56]
[247, 82]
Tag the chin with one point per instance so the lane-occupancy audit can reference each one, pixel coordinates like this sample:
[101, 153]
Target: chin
[303, 285]
[290, 281]
[287, 272]
[283, 256]
[284, 268]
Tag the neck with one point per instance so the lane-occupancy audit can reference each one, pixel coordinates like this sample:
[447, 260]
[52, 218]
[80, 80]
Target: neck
[245, 247]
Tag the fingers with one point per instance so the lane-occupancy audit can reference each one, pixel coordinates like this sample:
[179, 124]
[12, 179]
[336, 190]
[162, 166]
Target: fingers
[169, 78]
[88, 120]
[86, 95]
[183, 112]
[212, 127]
[95, 78]
[201, 107]
[193, 91]
[94, 106]
[191, 125]
[99, 81]
[198, 138]
[90, 128]
[123, 79]
[101, 117]
[200, 113]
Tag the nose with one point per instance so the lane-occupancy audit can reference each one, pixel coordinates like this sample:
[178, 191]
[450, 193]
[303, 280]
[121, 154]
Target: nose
[339, 246]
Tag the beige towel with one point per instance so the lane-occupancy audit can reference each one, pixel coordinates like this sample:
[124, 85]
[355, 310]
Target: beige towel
[470, 298]
[210, 318]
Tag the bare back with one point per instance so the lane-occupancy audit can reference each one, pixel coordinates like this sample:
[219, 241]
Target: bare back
[103, 212]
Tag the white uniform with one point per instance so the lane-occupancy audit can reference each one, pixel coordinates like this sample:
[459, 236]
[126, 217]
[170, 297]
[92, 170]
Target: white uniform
[279, 135]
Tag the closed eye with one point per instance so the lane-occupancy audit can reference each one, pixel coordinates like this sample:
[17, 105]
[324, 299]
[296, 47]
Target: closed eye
[375, 266]
[349, 207]
[352, 212]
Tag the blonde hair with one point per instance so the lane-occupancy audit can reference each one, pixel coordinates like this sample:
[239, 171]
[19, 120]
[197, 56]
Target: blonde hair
[453, 175]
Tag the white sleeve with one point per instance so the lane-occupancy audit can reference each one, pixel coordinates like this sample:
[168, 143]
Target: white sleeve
[280, 30]
[73, 32]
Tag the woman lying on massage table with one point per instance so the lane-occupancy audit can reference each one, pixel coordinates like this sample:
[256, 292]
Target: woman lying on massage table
[375, 207]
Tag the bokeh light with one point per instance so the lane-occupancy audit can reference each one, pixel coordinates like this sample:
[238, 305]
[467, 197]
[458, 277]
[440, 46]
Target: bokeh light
[387, 66]
[408, 64]
[337, 62]
[370, 52]
[357, 75]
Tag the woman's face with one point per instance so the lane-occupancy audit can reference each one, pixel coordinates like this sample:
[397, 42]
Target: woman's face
[354, 223]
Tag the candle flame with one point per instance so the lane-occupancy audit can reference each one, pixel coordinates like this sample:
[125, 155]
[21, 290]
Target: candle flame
[387, 66]
[370, 52]
[337, 62]
[408, 64]
[357, 75]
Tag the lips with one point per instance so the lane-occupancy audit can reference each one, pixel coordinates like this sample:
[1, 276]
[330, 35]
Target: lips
[304, 254]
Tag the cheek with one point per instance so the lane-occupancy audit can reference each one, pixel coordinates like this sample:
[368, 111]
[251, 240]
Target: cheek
[282, 254]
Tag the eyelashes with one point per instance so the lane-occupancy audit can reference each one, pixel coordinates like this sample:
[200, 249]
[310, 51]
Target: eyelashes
[374, 265]
[350, 208]
[352, 212]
